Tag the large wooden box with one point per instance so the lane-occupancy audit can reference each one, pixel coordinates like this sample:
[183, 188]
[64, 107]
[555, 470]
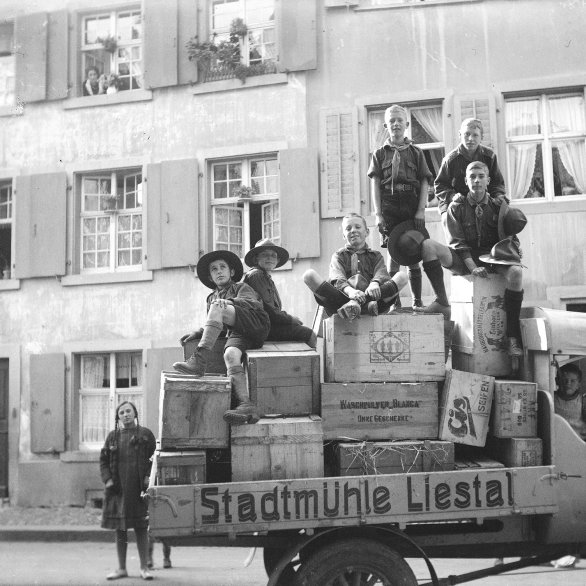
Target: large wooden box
[191, 411]
[276, 449]
[515, 451]
[283, 378]
[394, 457]
[479, 339]
[215, 364]
[465, 407]
[399, 347]
[181, 467]
[380, 411]
[514, 409]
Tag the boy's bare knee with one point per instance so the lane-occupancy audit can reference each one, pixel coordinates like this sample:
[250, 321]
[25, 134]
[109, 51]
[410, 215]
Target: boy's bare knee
[232, 356]
[400, 279]
[515, 275]
[312, 279]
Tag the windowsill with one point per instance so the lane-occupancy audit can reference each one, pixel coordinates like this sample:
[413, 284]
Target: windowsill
[9, 284]
[385, 4]
[13, 110]
[79, 456]
[567, 203]
[235, 84]
[108, 99]
[106, 278]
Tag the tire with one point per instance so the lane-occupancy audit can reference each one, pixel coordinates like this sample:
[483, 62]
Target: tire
[355, 561]
[271, 557]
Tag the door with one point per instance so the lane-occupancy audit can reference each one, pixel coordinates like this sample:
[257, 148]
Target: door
[3, 428]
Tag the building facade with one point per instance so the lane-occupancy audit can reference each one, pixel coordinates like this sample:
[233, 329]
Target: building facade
[111, 190]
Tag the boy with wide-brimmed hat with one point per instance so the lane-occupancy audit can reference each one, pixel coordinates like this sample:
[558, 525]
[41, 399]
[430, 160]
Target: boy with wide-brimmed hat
[234, 307]
[264, 258]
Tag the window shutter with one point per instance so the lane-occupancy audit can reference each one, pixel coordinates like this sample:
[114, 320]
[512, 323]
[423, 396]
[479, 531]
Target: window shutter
[340, 188]
[30, 35]
[158, 359]
[297, 34]
[160, 43]
[172, 214]
[57, 55]
[188, 28]
[47, 395]
[483, 108]
[299, 215]
[40, 225]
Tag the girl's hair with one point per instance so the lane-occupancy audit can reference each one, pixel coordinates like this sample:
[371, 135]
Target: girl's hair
[117, 419]
[92, 68]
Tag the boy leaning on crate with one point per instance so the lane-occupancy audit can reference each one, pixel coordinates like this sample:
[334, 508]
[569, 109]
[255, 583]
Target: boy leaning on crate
[234, 307]
[358, 281]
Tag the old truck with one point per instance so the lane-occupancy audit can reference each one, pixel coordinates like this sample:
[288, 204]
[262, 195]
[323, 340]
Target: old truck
[361, 529]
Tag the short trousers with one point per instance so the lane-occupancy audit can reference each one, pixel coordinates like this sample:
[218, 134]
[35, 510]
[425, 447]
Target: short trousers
[255, 323]
[397, 208]
[292, 332]
[459, 268]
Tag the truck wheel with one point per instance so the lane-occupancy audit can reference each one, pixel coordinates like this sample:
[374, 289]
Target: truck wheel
[271, 557]
[355, 561]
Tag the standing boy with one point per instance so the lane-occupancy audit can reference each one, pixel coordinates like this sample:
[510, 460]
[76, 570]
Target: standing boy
[264, 258]
[236, 307]
[358, 279]
[398, 182]
[451, 178]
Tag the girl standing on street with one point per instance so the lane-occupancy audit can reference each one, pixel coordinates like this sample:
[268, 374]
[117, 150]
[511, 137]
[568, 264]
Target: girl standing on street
[125, 465]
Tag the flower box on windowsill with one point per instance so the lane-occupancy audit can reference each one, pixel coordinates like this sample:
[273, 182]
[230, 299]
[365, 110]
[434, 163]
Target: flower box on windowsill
[219, 72]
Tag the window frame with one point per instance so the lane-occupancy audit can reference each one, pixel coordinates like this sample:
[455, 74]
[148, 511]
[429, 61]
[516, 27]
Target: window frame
[545, 138]
[7, 184]
[7, 58]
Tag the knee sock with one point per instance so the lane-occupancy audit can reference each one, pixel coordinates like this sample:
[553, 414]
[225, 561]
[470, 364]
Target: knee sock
[388, 290]
[513, 301]
[415, 282]
[329, 297]
[142, 544]
[121, 547]
[435, 273]
[397, 299]
[211, 332]
[238, 382]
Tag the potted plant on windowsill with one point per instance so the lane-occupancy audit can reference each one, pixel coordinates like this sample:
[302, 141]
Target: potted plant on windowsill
[109, 43]
[242, 192]
[110, 204]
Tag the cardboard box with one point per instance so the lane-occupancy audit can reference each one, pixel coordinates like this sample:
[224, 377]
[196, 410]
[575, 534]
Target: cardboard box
[465, 407]
[283, 378]
[380, 411]
[515, 451]
[394, 457]
[216, 364]
[275, 449]
[514, 409]
[181, 467]
[401, 347]
[479, 342]
[191, 411]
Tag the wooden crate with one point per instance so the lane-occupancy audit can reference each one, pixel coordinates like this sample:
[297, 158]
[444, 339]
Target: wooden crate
[181, 467]
[365, 458]
[216, 364]
[465, 407]
[283, 378]
[479, 338]
[515, 451]
[514, 409]
[191, 411]
[401, 347]
[380, 411]
[477, 463]
[275, 449]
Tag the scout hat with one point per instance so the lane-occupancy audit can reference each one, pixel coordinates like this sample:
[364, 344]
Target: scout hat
[405, 243]
[266, 244]
[504, 252]
[203, 266]
[511, 220]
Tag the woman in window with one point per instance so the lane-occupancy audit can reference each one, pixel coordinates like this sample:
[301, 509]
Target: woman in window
[125, 465]
[95, 83]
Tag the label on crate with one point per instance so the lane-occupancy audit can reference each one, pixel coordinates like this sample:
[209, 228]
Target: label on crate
[490, 323]
[390, 346]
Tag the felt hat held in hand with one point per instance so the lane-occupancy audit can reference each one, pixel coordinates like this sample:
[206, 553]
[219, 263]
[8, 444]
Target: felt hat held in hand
[405, 243]
[504, 252]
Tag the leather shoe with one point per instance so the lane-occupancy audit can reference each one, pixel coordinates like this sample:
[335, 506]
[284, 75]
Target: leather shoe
[117, 574]
[146, 575]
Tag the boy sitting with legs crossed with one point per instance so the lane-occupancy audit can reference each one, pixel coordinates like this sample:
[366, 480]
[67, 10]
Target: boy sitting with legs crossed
[236, 307]
[358, 279]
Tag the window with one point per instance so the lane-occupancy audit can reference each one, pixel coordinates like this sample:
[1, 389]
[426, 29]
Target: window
[5, 229]
[7, 66]
[546, 152]
[111, 221]
[425, 130]
[245, 202]
[112, 43]
[106, 380]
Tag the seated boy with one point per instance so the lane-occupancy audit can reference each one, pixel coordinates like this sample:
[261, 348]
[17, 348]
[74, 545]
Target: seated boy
[479, 226]
[264, 258]
[451, 177]
[399, 177]
[569, 400]
[236, 307]
[358, 279]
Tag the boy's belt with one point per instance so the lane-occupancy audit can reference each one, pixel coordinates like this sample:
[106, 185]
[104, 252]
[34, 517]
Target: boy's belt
[399, 187]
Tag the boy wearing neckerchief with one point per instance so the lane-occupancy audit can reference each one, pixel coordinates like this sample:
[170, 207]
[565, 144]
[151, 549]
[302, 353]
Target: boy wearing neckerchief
[264, 258]
[399, 177]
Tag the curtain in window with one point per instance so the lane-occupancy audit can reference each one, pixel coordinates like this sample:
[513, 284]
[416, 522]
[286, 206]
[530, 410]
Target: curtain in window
[573, 155]
[92, 376]
[378, 132]
[523, 118]
[94, 418]
[522, 166]
[431, 120]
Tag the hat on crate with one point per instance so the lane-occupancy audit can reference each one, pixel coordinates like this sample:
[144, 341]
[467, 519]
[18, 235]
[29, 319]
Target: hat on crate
[203, 266]
[266, 244]
[404, 243]
[504, 252]
[511, 220]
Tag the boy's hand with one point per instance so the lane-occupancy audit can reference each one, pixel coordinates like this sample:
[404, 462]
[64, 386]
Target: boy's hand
[480, 272]
[222, 303]
[419, 219]
[373, 290]
[196, 335]
[380, 223]
[356, 294]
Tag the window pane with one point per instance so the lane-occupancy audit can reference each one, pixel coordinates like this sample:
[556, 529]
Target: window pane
[526, 171]
[523, 118]
[103, 260]
[259, 11]
[6, 202]
[94, 27]
[7, 80]
[127, 369]
[427, 125]
[96, 420]
[569, 167]
[228, 229]
[235, 171]
[566, 114]
[224, 12]
[95, 371]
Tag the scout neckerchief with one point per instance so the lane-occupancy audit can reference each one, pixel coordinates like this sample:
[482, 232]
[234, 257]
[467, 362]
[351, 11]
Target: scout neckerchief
[397, 158]
[478, 211]
[357, 279]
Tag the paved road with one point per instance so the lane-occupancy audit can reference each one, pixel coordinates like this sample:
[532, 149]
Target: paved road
[86, 563]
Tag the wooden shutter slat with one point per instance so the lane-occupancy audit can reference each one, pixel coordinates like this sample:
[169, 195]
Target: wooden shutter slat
[482, 108]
